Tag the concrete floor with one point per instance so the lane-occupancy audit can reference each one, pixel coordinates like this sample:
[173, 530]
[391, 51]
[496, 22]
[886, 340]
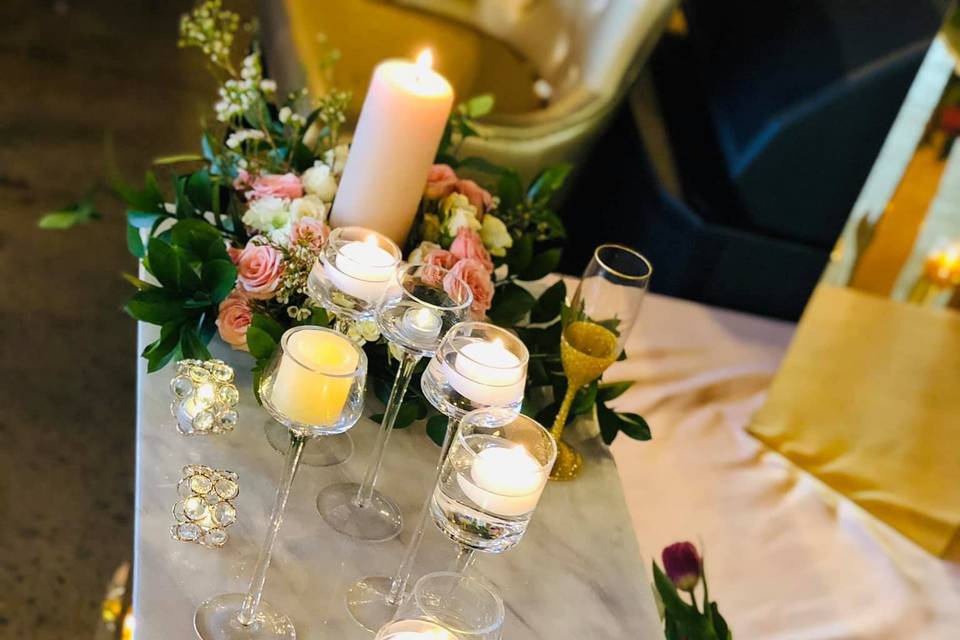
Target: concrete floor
[70, 73]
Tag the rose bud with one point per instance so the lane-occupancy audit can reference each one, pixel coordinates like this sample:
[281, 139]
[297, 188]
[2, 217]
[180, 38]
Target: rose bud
[682, 564]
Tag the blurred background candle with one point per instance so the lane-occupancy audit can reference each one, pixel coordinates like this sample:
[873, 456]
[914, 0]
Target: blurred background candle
[396, 140]
[306, 389]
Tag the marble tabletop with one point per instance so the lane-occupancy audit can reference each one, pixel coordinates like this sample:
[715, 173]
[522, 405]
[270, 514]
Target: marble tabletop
[577, 574]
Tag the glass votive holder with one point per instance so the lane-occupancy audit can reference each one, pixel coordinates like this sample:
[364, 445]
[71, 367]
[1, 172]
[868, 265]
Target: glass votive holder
[205, 508]
[205, 397]
[492, 479]
[354, 270]
[447, 606]
[477, 365]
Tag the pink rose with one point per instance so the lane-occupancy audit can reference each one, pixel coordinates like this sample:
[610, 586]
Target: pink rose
[440, 182]
[234, 254]
[311, 231]
[278, 186]
[243, 180]
[234, 318]
[477, 195]
[440, 258]
[475, 275]
[258, 269]
[469, 246]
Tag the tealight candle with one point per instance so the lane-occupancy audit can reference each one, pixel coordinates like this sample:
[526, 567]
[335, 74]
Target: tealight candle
[504, 480]
[421, 324]
[487, 373]
[306, 388]
[362, 269]
[414, 630]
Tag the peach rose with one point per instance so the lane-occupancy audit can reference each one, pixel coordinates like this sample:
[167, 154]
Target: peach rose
[286, 186]
[234, 319]
[440, 258]
[440, 182]
[243, 180]
[475, 275]
[258, 269]
[468, 245]
[311, 231]
[477, 195]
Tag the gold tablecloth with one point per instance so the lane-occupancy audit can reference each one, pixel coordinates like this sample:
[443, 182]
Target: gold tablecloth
[868, 401]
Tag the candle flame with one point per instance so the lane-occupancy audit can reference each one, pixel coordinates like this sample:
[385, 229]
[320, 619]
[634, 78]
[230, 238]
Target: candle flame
[425, 60]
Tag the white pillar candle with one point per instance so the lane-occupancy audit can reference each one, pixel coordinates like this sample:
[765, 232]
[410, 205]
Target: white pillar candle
[487, 373]
[307, 388]
[421, 324]
[414, 630]
[362, 269]
[504, 480]
[393, 147]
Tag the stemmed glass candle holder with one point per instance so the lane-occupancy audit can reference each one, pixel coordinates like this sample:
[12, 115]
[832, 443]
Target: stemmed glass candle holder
[491, 481]
[413, 315]
[602, 312]
[496, 371]
[314, 386]
[448, 606]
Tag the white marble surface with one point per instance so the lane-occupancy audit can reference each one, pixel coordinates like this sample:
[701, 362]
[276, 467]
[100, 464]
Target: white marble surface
[577, 574]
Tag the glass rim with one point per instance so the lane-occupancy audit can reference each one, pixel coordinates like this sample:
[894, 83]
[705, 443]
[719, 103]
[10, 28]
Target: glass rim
[403, 271]
[361, 360]
[393, 248]
[462, 438]
[480, 582]
[630, 250]
[524, 359]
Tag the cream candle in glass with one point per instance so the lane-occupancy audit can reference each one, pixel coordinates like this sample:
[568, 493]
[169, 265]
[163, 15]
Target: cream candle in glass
[487, 373]
[362, 269]
[393, 147]
[504, 479]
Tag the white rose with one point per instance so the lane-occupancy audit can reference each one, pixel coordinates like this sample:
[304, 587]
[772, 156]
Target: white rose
[418, 254]
[318, 181]
[308, 207]
[460, 213]
[495, 236]
[336, 158]
[267, 214]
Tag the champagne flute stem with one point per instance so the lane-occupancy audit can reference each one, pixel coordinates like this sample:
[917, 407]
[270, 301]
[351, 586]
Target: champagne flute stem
[464, 560]
[248, 612]
[404, 372]
[561, 419]
[402, 576]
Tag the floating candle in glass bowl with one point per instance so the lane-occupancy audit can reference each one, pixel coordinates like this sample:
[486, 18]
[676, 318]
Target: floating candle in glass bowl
[362, 268]
[504, 479]
[486, 372]
[421, 324]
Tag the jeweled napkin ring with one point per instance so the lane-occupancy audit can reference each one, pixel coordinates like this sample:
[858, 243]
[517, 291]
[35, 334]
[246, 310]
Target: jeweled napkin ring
[205, 397]
[205, 508]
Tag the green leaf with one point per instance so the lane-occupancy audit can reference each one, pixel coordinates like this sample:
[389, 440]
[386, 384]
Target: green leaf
[510, 303]
[634, 426]
[608, 422]
[159, 352]
[200, 238]
[612, 390]
[264, 322]
[175, 159]
[260, 343]
[170, 265]
[218, 277]
[548, 304]
[303, 157]
[437, 428]
[510, 190]
[208, 326]
[584, 400]
[135, 242]
[156, 306]
[67, 218]
[137, 282]
[548, 182]
[142, 219]
[520, 255]
[481, 105]
[543, 263]
[547, 414]
[190, 344]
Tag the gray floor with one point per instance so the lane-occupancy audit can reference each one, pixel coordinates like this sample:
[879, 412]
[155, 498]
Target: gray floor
[70, 72]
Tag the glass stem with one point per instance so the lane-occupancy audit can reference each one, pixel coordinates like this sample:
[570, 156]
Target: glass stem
[400, 579]
[464, 560]
[248, 612]
[561, 419]
[404, 372]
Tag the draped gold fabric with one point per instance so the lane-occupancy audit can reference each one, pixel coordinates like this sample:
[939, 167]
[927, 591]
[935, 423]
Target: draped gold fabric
[868, 401]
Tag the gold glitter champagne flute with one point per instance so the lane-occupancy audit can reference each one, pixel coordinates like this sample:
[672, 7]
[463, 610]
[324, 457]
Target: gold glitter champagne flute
[595, 326]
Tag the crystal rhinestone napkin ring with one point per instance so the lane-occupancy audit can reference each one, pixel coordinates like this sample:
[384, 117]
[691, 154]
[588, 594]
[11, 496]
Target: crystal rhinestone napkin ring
[205, 508]
[205, 397]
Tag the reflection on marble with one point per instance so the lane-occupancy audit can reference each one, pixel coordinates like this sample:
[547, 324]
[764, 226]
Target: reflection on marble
[577, 573]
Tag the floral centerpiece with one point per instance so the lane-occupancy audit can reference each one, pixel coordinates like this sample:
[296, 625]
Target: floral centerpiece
[231, 243]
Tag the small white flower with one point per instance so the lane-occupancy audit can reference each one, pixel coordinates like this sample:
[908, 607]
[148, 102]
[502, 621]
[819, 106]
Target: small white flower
[267, 214]
[237, 138]
[268, 86]
[318, 181]
[336, 158]
[308, 206]
[285, 114]
[495, 236]
[418, 254]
